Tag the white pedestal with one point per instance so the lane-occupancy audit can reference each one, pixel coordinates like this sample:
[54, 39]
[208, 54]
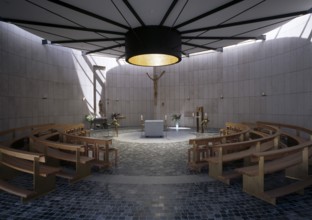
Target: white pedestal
[154, 128]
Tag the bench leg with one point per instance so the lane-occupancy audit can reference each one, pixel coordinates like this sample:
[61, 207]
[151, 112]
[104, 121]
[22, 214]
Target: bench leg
[254, 185]
[82, 171]
[215, 170]
[44, 185]
[296, 172]
[116, 157]
[300, 171]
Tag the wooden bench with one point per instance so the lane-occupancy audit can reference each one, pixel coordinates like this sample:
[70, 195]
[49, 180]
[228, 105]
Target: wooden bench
[199, 151]
[56, 152]
[100, 149]
[75, 129]
[14, 135]
[254, 134]
[293, 160]
[13, 161]
[242, 150]
[298, 131]
[290, 140]
[291, 134]
[200, 146]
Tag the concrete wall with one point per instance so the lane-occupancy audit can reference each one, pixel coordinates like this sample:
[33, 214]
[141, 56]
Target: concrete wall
[47, 83]
[129, 92]
[38, 84]
[52, 84]
[280, 67]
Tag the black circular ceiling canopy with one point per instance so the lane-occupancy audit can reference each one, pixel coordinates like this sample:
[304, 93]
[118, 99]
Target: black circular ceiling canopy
[153, 46]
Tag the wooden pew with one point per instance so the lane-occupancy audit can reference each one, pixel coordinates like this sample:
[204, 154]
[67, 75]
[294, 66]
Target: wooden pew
[13, 161]
[233, 128]
[11, 136]
[201, 146]
[293, 160]
[242, 150]
[297, 130]
[96, 147]
[75, 129]
[56, 152]
[290, 134]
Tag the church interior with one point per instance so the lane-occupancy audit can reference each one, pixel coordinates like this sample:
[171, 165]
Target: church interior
[169, 109]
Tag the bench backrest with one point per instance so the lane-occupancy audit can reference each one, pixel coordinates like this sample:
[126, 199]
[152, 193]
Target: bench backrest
[272, 139]
[69, 138]
[240, 131]
[16, 133]
[299, 131]
[22, 154]
[268, 155]
[58, 145]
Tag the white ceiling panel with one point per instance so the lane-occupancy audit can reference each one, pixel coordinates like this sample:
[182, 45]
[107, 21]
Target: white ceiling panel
[273, 8]
[221, 16]
[41, 16]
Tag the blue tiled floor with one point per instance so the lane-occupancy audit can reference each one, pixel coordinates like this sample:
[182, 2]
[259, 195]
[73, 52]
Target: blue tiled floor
[97, 198]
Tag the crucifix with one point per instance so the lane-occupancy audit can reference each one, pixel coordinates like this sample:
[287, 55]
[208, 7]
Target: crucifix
[155, 79]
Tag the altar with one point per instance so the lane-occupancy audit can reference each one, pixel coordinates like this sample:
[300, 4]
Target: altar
[154, 128]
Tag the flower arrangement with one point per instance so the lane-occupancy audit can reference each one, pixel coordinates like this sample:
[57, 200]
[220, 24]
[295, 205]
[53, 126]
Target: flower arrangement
[89, 118]
[115, 123]
[115, 115]
[205, 122]
[176, 117]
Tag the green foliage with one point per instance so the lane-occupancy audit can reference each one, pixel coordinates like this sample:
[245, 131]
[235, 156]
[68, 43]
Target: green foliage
[115, 115]
[176, 117]
[90, 118]
[115, 122]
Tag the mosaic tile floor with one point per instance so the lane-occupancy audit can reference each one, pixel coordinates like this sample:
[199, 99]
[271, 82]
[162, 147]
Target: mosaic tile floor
[152, 182]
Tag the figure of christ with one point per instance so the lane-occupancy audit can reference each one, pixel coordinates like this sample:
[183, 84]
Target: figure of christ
[155, 79]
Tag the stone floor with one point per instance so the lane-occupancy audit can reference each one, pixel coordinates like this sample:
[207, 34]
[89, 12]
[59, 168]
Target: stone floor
[152, 181]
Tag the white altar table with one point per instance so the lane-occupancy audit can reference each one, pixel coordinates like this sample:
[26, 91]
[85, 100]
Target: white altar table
[154, 128]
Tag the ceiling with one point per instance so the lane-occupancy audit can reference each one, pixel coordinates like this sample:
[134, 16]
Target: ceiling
[99, 26]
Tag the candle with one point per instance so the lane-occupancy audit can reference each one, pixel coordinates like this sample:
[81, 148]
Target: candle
[142, 117]
[166, 117]
[206, 115]
[193, 114]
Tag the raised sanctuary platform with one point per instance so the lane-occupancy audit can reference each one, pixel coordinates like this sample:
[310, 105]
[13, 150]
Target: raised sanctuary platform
[170, 136]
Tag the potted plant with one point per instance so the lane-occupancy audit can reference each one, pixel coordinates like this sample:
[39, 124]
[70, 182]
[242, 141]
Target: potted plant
[116, 125]
[115, 115]
[176, 118]
[90, 118]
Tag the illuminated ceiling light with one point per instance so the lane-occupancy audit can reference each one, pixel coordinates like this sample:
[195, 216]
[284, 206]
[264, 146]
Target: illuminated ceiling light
[153, 46]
